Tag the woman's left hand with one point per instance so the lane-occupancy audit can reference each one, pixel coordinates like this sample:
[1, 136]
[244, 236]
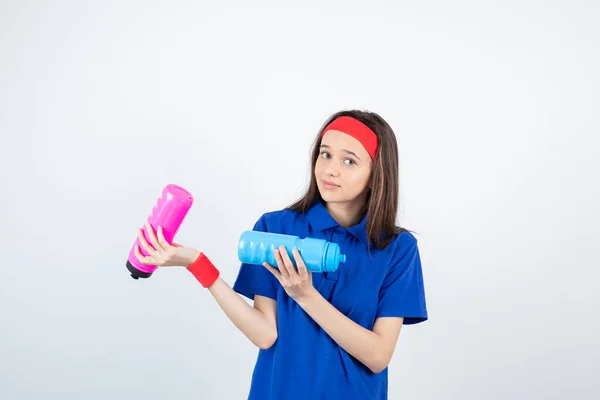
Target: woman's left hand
[297, 283]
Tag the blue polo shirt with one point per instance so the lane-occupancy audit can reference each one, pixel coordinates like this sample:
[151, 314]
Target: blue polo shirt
[304, 362]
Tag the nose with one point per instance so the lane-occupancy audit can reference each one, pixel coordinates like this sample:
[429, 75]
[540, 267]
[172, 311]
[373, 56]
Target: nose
[330, 170]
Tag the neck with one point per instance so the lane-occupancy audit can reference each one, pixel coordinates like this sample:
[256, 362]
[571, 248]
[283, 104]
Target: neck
[346, 214]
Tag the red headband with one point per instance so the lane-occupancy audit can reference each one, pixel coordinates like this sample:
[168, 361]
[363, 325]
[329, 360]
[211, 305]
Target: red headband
[357, 130]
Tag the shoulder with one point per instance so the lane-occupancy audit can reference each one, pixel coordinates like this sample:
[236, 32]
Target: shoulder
[405, 238]
[404, 244]
[402, 257]
[278, 220]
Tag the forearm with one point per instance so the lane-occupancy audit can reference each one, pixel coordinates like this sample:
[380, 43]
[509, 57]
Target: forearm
[363, 344]
[251, 321]
[246, 318]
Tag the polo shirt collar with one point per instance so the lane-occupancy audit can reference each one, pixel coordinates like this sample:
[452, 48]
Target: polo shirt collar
[320, 219]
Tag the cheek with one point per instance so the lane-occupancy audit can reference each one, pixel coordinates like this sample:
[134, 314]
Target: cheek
[318, 167]
[360, 179]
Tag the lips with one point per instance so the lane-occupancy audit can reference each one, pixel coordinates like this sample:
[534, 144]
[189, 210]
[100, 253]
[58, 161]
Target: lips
[330, 184]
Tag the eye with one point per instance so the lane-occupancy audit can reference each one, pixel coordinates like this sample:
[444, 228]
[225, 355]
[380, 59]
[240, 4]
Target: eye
[324, 154]
[349, 161]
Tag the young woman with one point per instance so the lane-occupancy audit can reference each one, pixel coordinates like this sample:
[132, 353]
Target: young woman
[325, 335]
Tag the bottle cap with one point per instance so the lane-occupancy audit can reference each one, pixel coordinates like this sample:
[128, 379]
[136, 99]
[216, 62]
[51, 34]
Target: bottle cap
[333, 258]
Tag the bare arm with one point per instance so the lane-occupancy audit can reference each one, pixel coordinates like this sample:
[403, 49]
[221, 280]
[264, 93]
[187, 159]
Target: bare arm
[373, 348]
[258, 323]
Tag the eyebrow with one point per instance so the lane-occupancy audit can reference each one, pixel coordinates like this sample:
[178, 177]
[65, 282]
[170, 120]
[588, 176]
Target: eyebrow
[347, 151]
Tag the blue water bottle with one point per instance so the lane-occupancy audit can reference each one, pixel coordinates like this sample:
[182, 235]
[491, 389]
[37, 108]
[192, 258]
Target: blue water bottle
[255, 247]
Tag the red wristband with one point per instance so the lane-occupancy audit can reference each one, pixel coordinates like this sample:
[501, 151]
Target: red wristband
[204, 270]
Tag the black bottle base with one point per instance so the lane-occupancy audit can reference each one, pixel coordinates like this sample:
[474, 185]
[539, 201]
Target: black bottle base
[136, 273]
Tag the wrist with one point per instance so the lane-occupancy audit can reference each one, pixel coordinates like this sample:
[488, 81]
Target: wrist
[193, 256]
[203, 270]
[308, 297]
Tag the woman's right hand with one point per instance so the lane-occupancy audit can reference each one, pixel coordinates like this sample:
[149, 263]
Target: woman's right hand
[162, 253]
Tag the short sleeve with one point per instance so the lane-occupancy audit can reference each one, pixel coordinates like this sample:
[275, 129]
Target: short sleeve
[256, 279]
[402, 293]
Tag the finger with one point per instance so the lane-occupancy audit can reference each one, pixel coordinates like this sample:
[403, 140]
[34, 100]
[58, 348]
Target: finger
[302, 270]
[161, 239]
[281, 265]
[289, 265]
[153, 238]
[145, 245]
[273, 270]
[147, 260]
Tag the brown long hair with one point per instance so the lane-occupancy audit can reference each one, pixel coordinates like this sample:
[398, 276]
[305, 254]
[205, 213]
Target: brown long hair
[382, 203]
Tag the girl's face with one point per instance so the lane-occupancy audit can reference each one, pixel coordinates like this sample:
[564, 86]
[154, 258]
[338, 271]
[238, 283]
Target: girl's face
[343, 168]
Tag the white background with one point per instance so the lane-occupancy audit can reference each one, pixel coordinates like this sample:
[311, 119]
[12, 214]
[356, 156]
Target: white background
[495, 107]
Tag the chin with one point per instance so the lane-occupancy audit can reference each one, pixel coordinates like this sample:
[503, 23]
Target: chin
[331, 197]
[338, 197]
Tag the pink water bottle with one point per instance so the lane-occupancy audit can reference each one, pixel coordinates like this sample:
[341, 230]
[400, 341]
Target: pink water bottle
[169, 212]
